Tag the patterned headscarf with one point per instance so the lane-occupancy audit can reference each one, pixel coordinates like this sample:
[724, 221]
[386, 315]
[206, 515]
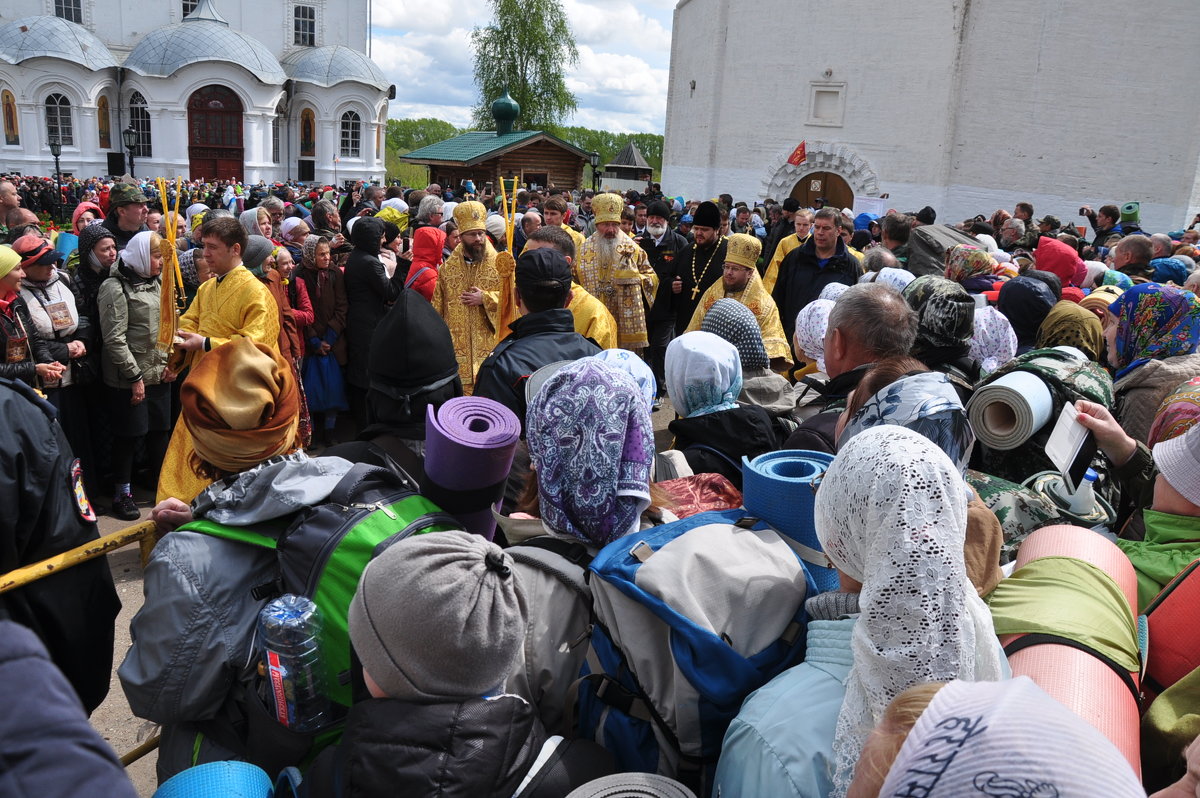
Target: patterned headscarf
[632, 365]
[945, 317]
[892, 514]
[704, 374]
[591, 444]
[737, 324]
[964, 261]
[1069, 324]
[896, 278]
[833, 291]
[1119, 279]
[1025, 302]
[308, 252]
[994, 342]
[1154, 321]
[1179, 412]
[925, 403]
[811, 324]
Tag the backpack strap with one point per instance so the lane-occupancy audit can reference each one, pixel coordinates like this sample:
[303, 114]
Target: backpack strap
[351, 485]
[547, 553]
[1025, 641]
[720, 455]
[234, 533]
[413, 279]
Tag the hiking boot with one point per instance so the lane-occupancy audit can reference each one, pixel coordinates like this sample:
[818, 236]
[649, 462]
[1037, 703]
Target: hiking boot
[125, 508]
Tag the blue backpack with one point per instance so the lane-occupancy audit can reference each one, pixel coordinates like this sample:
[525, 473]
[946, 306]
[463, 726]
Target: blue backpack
[690, 617]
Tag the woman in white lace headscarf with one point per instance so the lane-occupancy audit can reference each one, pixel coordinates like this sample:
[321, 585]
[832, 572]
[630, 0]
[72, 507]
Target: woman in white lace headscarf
[891, 514]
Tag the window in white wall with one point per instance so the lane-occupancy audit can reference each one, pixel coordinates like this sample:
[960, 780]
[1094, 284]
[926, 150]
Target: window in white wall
[70, 10]
[351, 135]
[139, 119]
[304, 26]
[826, 103]
[58, 120]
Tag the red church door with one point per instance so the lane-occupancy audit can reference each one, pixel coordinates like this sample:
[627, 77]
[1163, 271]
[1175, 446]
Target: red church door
[215, 134]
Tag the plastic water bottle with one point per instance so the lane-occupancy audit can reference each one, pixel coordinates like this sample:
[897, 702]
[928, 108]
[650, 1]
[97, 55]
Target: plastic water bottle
[1083, 500]
[288, 629]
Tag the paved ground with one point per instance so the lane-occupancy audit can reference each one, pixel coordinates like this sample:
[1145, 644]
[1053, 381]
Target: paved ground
[113, 719]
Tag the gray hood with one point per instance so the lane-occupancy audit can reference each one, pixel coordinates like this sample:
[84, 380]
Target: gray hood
[276, 488]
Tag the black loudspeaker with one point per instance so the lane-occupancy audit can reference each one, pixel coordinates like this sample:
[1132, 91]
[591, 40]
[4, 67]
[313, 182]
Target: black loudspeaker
[307, 171]
[116, 163]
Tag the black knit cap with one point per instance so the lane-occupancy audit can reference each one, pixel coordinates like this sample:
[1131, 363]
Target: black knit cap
[411, 351]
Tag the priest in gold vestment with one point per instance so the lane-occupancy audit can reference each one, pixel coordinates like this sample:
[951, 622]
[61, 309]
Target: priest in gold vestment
[740, 281]
[467, 294]
[234, 303]
[617, 271]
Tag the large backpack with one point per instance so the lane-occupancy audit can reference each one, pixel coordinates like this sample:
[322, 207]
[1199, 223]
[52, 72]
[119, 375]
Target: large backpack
[321, 554]
[690, 617]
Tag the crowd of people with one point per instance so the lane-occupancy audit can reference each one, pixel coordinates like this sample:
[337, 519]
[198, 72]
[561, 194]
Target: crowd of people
[315, 332]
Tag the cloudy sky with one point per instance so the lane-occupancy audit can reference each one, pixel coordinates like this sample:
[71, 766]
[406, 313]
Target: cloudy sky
[620, 82]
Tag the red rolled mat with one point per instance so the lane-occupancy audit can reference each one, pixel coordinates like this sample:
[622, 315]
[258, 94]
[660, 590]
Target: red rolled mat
[1080, 681]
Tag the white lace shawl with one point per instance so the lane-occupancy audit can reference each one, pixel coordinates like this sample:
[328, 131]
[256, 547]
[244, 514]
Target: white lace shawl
[891, 513]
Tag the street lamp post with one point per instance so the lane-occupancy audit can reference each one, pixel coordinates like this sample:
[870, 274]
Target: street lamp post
[56, 150]
[130, 137]
[594, 159]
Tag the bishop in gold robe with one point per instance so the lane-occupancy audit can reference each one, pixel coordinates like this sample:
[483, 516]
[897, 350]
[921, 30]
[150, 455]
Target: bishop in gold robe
[617, 271]
[740, 281]
[467, 294]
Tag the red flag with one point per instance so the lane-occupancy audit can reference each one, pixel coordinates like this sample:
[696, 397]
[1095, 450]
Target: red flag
[799, 155]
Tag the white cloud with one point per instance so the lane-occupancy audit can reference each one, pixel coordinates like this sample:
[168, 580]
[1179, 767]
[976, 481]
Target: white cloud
[620, 81]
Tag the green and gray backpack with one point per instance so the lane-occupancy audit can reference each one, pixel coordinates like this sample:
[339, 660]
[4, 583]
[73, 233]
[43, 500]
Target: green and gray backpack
[321, 553]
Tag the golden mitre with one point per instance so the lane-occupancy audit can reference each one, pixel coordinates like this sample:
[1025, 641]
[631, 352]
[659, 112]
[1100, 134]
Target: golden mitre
[608, 207]
[470, 216]
[743, 250]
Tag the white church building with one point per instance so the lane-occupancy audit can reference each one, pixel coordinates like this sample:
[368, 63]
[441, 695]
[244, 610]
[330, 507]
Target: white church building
[964, 106]
[265, 90]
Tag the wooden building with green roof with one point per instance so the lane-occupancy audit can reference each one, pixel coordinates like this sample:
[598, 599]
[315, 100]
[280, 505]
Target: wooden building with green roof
[535, 158]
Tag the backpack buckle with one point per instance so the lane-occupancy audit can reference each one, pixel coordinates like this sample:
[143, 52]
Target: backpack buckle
[267, 590]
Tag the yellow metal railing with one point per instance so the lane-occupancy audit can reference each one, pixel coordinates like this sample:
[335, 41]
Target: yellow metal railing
[144, 534]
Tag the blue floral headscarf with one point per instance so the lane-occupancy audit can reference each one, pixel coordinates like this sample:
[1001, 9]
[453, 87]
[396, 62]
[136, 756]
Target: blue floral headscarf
[925, 403]
[704, 374]
[592, 445]
[1154, 321]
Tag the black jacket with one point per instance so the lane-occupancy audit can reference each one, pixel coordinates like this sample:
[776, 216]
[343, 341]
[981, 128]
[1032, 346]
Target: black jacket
[779, 231]
[46, 512]
[715, 442]
[23, 370]
[369, 293]
[801, 279]
[537, 340]
[473, 749]
[46, 743]
[123, 237]
[662, 258]
[816, 434]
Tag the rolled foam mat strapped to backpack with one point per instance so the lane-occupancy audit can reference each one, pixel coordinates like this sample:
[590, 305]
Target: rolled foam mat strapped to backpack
[780, 488]
[469, 445]
[227, 779]
[1101, 690]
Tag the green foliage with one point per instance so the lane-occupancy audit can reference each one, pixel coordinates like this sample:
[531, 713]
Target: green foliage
[525, 50]
[406, 135]
[608, 144]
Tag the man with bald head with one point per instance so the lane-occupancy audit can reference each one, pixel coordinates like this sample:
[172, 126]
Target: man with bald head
[9, 198]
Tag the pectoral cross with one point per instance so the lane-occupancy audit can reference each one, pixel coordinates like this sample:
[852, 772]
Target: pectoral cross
[695, 290]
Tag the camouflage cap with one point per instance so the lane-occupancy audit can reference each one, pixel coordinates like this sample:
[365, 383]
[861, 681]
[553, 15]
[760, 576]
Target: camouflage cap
[125, 194]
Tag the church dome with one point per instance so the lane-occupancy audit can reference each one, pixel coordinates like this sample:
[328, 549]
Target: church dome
[203, 35]
[327, 66]
[51, 37]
